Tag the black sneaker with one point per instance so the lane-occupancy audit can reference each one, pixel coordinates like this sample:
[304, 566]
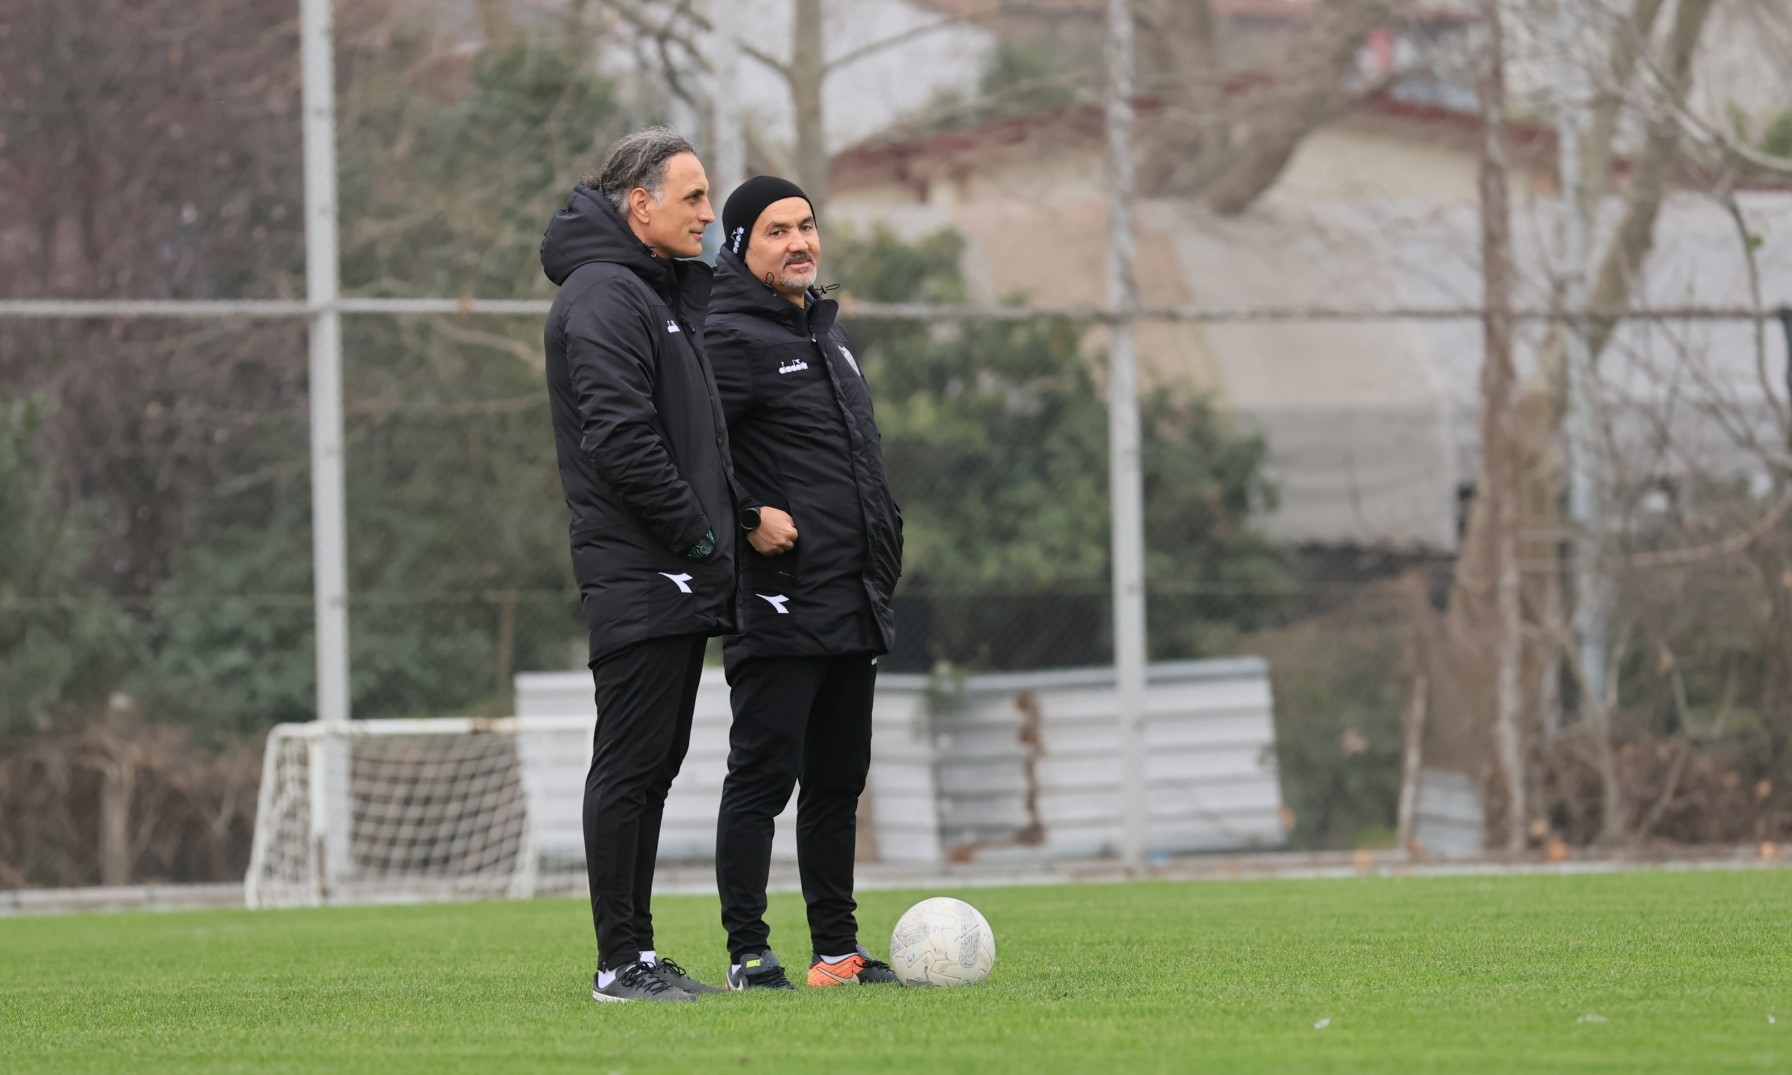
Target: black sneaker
[674, 975]
[762, 971]
[637, 982]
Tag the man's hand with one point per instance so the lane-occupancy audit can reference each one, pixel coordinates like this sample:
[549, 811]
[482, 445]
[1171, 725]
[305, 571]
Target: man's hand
[775, 534]
[704, 549]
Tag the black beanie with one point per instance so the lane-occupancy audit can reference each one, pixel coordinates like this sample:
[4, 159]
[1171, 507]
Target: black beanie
[747, 202]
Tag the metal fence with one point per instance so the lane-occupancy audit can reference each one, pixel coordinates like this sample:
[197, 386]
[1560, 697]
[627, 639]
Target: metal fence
[1309, 430]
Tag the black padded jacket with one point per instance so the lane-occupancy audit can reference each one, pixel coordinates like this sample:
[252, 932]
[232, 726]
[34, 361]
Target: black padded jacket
[638, 431]
[804, 439]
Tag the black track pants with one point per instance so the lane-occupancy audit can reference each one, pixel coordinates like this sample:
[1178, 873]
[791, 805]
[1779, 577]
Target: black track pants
[795, 718]
[645, 695]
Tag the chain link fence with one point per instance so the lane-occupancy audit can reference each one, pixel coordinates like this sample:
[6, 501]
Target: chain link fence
[156, 602]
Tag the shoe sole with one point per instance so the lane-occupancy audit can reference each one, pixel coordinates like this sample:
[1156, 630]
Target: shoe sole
[605, 998]
[833, 979]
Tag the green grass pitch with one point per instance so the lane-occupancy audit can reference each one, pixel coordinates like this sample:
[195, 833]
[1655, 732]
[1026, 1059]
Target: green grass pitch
[1640, 972]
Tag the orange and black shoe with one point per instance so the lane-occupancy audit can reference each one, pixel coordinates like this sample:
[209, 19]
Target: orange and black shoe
[856, 969]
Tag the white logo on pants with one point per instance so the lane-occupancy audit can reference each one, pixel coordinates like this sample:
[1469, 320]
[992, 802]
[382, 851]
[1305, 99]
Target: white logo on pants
[776, 601]
[678, 581]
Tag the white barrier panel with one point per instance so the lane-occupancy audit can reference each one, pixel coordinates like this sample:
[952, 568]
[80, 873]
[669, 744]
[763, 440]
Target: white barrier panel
[1021, 766]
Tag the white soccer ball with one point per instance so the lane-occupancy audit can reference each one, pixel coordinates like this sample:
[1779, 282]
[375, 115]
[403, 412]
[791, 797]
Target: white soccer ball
[942, 941]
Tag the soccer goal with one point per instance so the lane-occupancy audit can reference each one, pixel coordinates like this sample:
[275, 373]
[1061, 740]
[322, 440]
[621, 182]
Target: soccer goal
[373, 811]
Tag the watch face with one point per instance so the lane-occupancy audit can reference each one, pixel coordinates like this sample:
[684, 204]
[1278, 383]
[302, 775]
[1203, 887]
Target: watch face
[749, 518]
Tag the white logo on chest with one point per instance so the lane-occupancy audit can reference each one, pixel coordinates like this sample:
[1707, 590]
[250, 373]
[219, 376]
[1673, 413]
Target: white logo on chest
[671, 325]
[776, 601]
[678, 581]
[793, 365]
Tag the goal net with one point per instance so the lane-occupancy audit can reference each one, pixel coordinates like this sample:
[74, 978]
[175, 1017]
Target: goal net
[406, 810]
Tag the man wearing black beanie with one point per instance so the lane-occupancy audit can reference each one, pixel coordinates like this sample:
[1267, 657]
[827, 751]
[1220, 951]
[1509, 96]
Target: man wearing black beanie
[825, 550]
[750, 200]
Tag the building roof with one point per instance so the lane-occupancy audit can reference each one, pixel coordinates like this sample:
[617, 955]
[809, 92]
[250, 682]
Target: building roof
[1429, 14]
[1530, 145]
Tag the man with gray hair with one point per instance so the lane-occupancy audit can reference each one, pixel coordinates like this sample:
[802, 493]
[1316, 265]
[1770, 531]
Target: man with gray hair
[643, 455]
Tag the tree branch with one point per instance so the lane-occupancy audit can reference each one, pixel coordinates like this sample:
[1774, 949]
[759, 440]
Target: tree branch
[766, 58]
[1729, 151]
[636, 15]
[466, 334]
[854, 55]
[1627, 50]
[1635, 236]
[1748, 241]
[1313, 97]
[1729, 546]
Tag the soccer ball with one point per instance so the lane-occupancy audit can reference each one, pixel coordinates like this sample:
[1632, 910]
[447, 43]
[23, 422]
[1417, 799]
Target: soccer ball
[942, 941]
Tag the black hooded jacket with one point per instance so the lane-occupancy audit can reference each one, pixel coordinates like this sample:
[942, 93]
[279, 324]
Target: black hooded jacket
[638, 430]
[804, 439]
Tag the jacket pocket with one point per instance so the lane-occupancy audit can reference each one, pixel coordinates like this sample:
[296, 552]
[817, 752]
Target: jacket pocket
[755, 564]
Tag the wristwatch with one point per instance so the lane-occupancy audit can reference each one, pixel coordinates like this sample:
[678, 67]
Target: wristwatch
[704, 549]
[749, 518]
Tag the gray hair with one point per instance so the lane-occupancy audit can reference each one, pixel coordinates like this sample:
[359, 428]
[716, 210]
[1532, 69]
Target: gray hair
[639, 160]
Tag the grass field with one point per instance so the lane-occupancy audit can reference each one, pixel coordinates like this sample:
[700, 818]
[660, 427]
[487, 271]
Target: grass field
[1670, 972]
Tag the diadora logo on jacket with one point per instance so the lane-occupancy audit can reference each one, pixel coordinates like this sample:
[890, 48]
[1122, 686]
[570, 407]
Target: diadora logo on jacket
[792, 366]
[671, 325]
[776, 600]
[680, 580]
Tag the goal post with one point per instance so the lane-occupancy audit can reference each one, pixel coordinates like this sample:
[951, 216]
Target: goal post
[377, 811]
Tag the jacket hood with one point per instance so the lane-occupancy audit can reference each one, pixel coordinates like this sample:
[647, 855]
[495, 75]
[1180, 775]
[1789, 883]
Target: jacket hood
[736, 291]
[589, 229]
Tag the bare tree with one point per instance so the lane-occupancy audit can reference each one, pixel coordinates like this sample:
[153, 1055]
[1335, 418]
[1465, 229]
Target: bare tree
[1230, 128]
[1228, 125]
[1484, 609]
[804, 74]
[152, 151]
[1642, 139]
[674, 29]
